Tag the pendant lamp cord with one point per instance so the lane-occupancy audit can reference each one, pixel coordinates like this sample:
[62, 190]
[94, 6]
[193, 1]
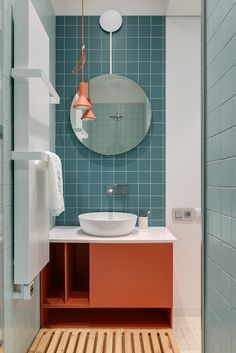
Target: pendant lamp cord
[83, 46]
[81, 63]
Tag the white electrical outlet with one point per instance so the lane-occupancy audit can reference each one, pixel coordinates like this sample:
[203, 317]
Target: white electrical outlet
[183, 214]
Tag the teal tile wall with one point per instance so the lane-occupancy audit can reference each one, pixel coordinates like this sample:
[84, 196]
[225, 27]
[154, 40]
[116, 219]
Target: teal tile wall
[21, 317]
[220, 181]
[139, 54]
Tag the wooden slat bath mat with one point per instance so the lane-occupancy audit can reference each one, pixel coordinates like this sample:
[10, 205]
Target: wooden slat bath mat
[104, 341]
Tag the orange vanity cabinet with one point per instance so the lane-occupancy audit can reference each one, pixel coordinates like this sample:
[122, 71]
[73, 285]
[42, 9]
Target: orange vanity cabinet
[108, 285]
[131, 275]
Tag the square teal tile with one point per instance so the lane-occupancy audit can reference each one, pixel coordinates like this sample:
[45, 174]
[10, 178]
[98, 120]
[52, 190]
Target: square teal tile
[119, 55]
[119, 67]
[144, 43]
[132, 177]
[132, 67]
[157, 31]
[145, 31]
[144, 189]
[157, 55]
[157, 43]
[158, 20]
[132, 43]
[70, 20]
[132, 54]
[60, 31]
[95, 177]
[70, 43]
[95, 189]
[132, 20]
[60, 20]
[144, 67]
[70, 31]
[145, 20]
[144, 177]
[132, 31]
[145, 55]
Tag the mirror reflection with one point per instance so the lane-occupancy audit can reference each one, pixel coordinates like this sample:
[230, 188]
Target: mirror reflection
[123, 116]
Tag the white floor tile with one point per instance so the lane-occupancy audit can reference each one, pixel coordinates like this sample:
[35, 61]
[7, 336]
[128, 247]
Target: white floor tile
[187, 331]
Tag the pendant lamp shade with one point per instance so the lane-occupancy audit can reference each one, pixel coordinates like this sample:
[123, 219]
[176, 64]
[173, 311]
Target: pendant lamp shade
[82, 102]
[88, 114]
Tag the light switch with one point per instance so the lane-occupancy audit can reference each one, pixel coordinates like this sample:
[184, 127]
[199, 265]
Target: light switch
[179, 214]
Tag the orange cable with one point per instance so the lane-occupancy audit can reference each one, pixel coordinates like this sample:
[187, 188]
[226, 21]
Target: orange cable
[80, 65]
[83, 56]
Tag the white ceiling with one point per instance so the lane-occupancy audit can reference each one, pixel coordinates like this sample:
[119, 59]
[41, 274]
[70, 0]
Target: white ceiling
[130, 7]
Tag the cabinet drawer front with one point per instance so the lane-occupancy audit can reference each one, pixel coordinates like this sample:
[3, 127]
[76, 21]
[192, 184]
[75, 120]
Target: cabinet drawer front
[131, 275]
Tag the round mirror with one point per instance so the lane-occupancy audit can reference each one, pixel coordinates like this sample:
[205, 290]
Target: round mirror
[123, 116]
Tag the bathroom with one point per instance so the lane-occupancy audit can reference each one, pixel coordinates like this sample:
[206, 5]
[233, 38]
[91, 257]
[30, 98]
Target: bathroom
[129, 246]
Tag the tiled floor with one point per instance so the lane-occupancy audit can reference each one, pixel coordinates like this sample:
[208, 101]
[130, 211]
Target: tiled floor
[187, 332]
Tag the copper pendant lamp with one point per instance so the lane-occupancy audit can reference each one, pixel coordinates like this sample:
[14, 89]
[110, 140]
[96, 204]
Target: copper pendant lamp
[88, 114]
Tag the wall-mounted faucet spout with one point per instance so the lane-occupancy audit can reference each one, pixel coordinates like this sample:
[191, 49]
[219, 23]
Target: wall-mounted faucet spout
[118, 190]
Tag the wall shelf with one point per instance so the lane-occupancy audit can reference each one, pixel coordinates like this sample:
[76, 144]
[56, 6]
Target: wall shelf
[25, 73]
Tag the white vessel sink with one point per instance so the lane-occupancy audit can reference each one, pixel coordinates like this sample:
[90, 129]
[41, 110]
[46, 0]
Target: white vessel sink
[107, 224]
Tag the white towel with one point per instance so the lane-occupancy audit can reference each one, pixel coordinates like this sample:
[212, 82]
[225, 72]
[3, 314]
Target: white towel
[55, 183]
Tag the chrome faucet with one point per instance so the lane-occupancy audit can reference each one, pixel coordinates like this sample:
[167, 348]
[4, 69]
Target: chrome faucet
[117, 189]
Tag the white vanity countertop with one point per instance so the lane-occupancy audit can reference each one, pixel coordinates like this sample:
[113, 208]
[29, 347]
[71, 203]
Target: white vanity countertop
[77, 235]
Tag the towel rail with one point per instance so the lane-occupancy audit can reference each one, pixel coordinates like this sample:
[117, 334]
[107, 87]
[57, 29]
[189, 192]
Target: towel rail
[24, 73]
[29, 156]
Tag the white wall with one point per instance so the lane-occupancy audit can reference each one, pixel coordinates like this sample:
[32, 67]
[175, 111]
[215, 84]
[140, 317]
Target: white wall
[183, 154]
[131, 7]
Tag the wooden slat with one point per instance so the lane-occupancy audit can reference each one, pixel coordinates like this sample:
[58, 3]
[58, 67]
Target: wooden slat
[128, 344]
[155, 342]
[64, 342]
[55, 341]
[72, 342]
[109, 342]
[137, 343]
[104, 341]
[45, 341]
[37, 341]
[146, 341]
[118, 341]
[165, 342]
[91, 341]
[82, 341]
[100, 341]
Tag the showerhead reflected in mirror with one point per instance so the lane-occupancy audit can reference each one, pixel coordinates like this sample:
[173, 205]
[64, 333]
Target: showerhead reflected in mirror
[123, 113]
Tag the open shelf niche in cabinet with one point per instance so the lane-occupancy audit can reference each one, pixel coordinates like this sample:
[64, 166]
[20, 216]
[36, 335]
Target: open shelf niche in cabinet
[94, 317]
[65, 279]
